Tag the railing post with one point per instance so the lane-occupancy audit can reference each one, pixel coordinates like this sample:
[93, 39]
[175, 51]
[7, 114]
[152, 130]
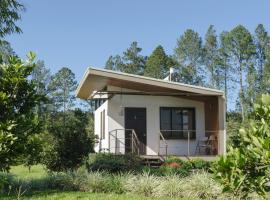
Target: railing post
[188, 141]
[109, 142]
[132, 140]
[166, 151]
[115, 142]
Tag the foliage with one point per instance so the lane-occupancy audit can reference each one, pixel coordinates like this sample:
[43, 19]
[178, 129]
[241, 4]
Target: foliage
[113, 163]
[210, 56]
[246, 167]
[176, 166]
[188, 53]
[9, 15]
[62, 86]
[131, 61]
[5, 51]
[233, 124]
[71, 143]
[241, 49]
[144, 184]
[158, 64]
[18, 97]
[196, 186]
[34, 150]
[262, 41]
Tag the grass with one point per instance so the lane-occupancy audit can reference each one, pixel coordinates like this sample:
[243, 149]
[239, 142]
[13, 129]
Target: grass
[39, 172]
[51, 195]
[36, 172]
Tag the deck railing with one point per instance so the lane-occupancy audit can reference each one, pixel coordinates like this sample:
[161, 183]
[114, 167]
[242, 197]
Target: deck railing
[202, 144]
[123, 140]
[165, 145]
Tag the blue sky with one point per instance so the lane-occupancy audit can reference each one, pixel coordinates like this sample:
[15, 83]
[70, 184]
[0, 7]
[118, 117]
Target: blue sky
[83, 33]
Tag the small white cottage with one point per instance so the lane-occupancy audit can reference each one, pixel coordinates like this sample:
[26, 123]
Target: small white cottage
[147, 116]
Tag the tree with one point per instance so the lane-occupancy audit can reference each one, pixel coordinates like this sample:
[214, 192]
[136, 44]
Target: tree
[245, 168]
[62, 86]
[18, 97]
[5, 51]
[266, 74]
[9, 15]
[211, 56]
[41, 77]
[223, 60]
[158, 64]
[131, 61]
[110, 63]
[69, 145]
[262, 42]
[188, 53]
[241, 49]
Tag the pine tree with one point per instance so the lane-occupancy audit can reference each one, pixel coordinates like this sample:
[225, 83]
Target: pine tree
[211, 56]
[262, 42]
[188, 54]
[62, 86]
[242, 49]
[158, 64]
[224, 69]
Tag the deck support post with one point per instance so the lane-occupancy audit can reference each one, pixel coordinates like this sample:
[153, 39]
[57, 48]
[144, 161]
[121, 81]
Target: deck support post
[188, 142]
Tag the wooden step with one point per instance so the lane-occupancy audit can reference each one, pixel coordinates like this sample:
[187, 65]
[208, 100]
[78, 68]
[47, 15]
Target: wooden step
[152, 161]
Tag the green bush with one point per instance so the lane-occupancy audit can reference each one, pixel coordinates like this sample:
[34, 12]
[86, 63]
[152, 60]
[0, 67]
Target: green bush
[113, 163]
[142, 184]
[184, 168]
[245, 169]
[200, 164]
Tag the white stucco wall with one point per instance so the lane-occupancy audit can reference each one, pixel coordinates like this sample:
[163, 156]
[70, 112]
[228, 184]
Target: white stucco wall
[104, 142]
[152, 105]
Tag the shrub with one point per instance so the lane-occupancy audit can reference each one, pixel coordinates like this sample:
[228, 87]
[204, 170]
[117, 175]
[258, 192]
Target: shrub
[70, 141]
[143, 184]
[174, 159]
[245, 169]
[200, 164]
[170, 186]
[113, 163]
[201, 185]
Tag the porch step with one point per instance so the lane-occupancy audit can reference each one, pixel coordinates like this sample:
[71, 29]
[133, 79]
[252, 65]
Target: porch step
[152, 161]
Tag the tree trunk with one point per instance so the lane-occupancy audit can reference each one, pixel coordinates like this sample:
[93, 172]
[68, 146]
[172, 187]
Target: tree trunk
[241, 91]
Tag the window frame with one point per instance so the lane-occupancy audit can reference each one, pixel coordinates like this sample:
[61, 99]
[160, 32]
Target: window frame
[184, 135]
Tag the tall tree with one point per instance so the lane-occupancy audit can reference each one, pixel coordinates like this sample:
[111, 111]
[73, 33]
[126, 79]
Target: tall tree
[41, 77]
[188, 53]
[62, 86]
[110, 63]
[131, 62]
[266, 73]
[262, 41]
[211, 56]
[158, 64]
[9, 15]
[224, 69]
[241, 49]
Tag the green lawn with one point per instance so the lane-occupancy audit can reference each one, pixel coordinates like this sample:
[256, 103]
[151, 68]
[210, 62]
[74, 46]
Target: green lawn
[36, 172]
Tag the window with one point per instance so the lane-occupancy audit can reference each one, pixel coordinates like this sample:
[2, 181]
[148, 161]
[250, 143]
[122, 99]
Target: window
[175, 123]
[102, 124]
